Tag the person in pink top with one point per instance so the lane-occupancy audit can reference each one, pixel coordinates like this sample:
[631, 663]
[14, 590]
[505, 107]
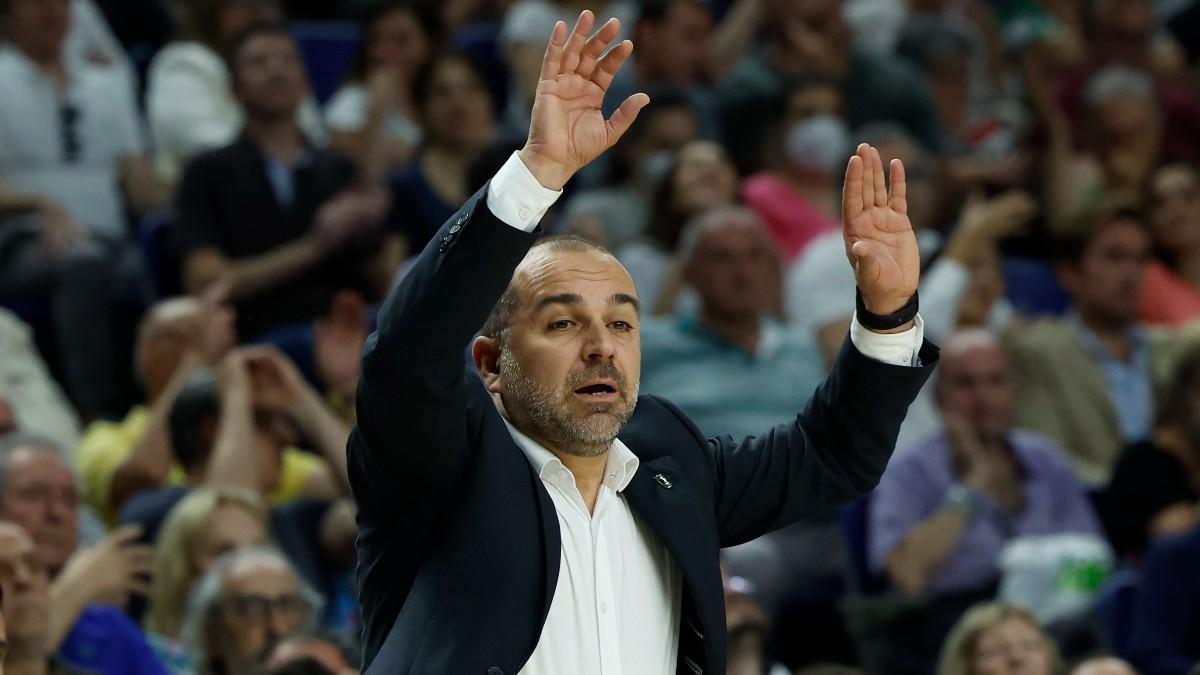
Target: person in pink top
[797, 199]
[1171, 287]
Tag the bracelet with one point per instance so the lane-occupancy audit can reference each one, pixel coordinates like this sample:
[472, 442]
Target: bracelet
[885, 321]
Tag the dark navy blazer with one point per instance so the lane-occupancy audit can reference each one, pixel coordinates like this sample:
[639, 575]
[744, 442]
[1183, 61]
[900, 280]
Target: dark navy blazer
[458, 546]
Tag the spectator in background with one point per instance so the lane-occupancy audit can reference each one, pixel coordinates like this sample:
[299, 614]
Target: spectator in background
[291, 229]
[205, 525]
[673, 38]
[1124, 144]
[1084, 380]
[85, 626]
[806, 37]
[1166, 617]
[946, 508]
[637, 165]
[1126, 33]
[1171, 288]
[231, 427]
[767, 369]
[117, 460]
[30, 399]
[998, 638]
[701, 178]
[1154, 490]
[799, 198]
[458, 120]
[247, 602]
[70, 151]
[230, 430]
[190, 92]
[373, 117]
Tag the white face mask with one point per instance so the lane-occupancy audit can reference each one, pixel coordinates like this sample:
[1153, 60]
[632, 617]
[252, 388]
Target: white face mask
[819, 143]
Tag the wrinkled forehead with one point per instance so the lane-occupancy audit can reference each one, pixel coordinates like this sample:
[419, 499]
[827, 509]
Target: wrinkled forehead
[591, 275]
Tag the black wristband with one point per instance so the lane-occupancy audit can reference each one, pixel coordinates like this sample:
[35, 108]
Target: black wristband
[885, 321]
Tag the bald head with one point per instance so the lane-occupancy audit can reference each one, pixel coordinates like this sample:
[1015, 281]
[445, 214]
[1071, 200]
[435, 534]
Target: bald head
[560, 353]
[172, 327]
[973, 383]
[731, 262]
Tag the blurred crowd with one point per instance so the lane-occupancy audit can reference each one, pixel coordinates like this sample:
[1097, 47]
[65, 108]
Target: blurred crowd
[203, 201]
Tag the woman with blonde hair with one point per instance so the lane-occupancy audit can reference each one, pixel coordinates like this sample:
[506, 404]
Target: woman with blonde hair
[998, 639]
[207, 523]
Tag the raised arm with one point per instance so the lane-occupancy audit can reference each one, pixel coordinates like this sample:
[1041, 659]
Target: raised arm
[412, 395]
[838, 446]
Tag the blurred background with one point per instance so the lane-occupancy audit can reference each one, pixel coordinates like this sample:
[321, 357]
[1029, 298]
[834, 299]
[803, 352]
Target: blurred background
[202, 203]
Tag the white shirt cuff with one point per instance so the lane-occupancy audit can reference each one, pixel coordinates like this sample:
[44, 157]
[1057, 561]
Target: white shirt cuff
[517, 198]
[897, 349]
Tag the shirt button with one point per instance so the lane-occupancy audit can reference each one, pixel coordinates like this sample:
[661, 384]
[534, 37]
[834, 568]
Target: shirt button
[524, 213]
[455, 228]
[604, 608]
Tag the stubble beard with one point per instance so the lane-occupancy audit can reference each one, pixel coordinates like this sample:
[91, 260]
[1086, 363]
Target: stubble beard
[546, 413]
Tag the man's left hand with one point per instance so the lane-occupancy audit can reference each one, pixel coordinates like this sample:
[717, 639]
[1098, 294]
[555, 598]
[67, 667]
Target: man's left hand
[880, 242]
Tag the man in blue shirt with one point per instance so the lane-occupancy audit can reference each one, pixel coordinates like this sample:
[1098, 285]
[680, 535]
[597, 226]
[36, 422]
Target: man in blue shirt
[730, 365]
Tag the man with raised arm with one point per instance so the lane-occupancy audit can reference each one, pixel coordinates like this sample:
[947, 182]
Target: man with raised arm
[538, 517]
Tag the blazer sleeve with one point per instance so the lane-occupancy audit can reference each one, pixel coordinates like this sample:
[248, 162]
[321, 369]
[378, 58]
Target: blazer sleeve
[412, 436]
[834, 452]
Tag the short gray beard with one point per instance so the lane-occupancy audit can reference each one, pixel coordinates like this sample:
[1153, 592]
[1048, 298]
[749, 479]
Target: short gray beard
[544, 414]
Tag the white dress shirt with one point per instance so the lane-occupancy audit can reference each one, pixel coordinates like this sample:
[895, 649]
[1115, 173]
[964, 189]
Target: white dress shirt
[616, 604]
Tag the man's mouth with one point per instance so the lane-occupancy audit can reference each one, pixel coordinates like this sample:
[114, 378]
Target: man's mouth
[598, 390]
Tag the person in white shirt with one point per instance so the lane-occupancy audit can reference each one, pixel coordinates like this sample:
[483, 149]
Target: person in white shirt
[71, 161]
[540, 517]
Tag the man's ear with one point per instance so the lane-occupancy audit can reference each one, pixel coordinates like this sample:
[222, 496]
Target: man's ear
[485, 352]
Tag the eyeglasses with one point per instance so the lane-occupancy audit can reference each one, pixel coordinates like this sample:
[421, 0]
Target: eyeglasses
[254, 608]
[68, 126]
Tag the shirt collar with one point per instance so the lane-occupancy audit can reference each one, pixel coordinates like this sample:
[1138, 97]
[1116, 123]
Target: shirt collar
[30, 71]
[618, 470]
[1092, 344]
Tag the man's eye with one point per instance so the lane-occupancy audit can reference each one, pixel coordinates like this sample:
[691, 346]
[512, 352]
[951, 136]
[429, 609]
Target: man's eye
[621, 325]
[561, 324]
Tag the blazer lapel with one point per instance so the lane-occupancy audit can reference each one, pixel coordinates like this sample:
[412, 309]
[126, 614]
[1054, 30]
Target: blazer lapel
[662, 496]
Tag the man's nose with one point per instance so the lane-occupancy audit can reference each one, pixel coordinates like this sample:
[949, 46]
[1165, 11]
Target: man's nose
[598, 343]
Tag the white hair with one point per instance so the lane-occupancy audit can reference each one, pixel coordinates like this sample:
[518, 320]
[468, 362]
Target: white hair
[204, 600]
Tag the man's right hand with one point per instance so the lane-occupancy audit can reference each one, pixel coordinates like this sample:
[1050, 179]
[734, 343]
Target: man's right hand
[567, 128]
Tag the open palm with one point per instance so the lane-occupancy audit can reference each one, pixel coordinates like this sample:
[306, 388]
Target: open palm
[567, 128]
[880, 242]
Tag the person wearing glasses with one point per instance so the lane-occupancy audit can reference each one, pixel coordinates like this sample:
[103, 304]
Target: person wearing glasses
[248, 602]
[71, 163]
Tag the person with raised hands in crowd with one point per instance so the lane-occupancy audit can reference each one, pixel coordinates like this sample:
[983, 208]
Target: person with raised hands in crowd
[178, 336]
[601, 513]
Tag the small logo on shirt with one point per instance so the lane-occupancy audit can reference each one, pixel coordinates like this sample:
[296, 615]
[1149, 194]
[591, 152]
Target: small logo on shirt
[662, 480]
